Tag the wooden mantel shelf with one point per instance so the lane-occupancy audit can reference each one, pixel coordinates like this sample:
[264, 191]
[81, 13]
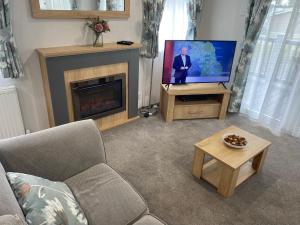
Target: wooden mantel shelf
[83, 49]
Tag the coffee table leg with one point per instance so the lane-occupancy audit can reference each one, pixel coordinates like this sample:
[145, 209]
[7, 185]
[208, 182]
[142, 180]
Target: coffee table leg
[228, 180]
[259, 160]
[198, 163]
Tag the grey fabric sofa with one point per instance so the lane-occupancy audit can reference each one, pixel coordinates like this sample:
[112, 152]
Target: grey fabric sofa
[74, 154]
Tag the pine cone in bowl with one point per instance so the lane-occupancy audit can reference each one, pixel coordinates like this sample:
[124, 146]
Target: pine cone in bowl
[235, 141]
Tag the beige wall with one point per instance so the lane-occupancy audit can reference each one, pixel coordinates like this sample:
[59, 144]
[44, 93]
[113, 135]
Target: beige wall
[222, 19]
[32, 33]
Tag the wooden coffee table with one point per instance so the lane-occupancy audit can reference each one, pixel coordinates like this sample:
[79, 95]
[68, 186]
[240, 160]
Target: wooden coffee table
[229, 167]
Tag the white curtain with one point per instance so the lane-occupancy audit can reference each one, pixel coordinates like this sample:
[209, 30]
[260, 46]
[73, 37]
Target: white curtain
[102, 5]
[173, 26]
[111, 5]
[272, 94]
[56, 4]
[174, 23]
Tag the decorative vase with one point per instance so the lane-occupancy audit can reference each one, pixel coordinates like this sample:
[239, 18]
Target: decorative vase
[98, 42]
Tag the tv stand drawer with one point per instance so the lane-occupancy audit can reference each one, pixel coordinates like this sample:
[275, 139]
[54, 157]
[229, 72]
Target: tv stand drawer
[195, 110]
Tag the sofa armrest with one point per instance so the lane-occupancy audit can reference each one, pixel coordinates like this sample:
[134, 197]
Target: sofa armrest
[56, 153]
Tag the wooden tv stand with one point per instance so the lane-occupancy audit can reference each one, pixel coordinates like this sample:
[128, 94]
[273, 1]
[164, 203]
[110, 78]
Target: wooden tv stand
[214, 106]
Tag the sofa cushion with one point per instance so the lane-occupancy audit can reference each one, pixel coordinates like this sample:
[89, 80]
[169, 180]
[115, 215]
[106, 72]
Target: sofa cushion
[46, 202]
[149, 220]
[11, 220]
[8, 201]
[57, 153]
[106, 197]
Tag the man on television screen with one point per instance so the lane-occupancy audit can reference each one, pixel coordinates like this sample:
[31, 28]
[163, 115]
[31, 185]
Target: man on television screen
[182, 63]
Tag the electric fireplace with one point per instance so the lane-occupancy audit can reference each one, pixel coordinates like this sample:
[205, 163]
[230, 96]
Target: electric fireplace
[97, 98]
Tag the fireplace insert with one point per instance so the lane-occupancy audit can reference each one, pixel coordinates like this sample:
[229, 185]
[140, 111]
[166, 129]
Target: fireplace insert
[97, 98]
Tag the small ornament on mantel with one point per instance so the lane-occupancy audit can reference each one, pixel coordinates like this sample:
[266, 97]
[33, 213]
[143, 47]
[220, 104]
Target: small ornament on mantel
[99, 27]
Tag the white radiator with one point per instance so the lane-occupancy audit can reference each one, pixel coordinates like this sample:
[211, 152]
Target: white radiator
[11, 122]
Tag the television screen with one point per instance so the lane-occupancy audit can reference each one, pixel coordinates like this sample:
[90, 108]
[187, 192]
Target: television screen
[198, 61]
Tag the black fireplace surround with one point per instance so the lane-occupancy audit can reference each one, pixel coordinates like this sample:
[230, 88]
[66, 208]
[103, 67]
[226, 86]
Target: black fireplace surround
[100, 97]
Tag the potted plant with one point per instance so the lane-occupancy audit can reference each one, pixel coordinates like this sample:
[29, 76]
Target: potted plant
[99, 27]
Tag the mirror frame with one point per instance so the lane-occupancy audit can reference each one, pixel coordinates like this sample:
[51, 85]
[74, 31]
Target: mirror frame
[77, 14]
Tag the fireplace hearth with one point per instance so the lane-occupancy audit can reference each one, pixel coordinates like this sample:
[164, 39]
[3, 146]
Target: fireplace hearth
[100, 97]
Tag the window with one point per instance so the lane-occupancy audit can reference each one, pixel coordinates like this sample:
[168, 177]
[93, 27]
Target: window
[273, 84]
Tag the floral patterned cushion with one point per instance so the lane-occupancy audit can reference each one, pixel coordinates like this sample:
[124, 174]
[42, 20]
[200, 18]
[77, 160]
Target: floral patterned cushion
[46, 202]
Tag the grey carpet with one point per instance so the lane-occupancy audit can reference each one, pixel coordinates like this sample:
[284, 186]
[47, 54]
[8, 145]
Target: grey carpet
[156, 158]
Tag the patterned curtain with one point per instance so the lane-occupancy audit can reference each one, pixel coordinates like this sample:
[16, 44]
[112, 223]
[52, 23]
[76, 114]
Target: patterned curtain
[10, 63]
[75, 5]
[258, 11]
[153, 10]
[109, 5]
[194, 10]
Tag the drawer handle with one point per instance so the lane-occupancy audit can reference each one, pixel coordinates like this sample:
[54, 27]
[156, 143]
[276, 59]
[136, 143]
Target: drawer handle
[195, 112]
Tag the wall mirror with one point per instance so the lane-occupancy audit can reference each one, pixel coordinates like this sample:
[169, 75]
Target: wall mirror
[80, 8]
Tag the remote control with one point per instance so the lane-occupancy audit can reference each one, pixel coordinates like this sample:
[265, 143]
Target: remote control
[125, 42]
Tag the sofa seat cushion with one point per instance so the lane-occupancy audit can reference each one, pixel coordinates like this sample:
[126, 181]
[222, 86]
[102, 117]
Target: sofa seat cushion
[105, 197]
[149, 220]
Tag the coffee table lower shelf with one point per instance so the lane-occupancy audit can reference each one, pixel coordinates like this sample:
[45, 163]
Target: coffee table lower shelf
[212, 172]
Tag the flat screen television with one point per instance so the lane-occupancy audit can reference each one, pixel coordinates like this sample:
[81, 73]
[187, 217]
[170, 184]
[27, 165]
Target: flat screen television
[198, 61]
